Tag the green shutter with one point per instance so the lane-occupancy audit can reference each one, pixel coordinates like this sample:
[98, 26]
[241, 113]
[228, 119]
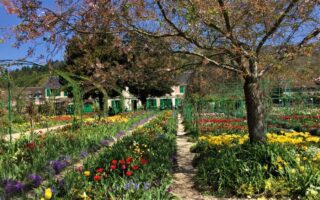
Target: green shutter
[177, 102]
[182, 89]
[87, 108]
[147, 104]
[65, 93]
[48, 92]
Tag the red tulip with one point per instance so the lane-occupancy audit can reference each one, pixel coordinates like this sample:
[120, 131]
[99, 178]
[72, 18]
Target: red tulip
[129, 160]
[114, 162]
[143, 161]
[97, 178]
[135, 167]
[99, 170]
[129, 173]
[123, 167]
[113, 167]
[122, 162]
[31, 145]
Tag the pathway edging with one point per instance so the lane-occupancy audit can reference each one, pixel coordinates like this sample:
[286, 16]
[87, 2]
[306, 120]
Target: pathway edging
[183, 185]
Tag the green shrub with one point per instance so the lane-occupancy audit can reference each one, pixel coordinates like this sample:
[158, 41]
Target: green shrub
[269, 170]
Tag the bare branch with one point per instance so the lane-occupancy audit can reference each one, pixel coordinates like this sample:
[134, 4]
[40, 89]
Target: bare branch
[224, 66]
[311, 35]
[275, 26]
[143, 32]
[225, 16]
[266, 69]
[179, 31]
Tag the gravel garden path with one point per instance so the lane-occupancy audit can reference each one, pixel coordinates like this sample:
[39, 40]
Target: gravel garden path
[16, 136]
[183, 185]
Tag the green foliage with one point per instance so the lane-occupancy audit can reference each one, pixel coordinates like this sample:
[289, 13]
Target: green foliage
[35, 156]
[154, 143]
[269, 170]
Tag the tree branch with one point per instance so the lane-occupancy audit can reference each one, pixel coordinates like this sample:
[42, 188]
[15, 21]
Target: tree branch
[178, 30]
[225, 16]
[275, 26]
[265, 70]
[223, 66]
[309, 37]
[143, 32]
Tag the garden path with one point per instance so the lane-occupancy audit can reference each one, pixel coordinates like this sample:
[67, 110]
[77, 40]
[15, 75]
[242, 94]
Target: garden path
[16, 136]
[183, 185]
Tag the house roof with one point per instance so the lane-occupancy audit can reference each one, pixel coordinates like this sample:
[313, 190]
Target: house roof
[183, 78]
[31, 92]
[53, 83]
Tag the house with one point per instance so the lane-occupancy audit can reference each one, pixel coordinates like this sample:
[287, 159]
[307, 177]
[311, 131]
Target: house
[174, 99]
[130, 102]
[35, 94]
[53, 90]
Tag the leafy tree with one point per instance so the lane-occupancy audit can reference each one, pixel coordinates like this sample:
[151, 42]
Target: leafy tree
[241, 32]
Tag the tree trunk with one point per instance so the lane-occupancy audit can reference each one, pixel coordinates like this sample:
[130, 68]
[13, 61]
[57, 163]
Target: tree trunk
[255, 110]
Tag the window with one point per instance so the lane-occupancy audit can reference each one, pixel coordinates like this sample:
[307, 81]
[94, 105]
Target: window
[182, 89]
[65, 93]
[151, 103]
[48, 92]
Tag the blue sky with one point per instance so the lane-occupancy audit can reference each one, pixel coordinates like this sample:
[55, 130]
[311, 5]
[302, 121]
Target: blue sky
[7, 51]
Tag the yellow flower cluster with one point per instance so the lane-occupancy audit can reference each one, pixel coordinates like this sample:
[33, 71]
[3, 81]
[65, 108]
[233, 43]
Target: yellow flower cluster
[116, 118]
[140, 149]
[225, 139]
[296, 138]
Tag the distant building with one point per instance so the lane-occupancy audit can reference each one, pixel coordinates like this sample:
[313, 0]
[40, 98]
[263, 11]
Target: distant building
[174, 99]
[53, 90]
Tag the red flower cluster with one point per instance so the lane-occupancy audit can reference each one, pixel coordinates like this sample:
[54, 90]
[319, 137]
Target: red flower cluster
[97, 178]
[99, 170]
[201, 121]
[31, 146]
[123, 165]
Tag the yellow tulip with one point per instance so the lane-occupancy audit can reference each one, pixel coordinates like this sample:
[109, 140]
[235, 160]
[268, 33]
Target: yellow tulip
[48, 193]
[86, 173]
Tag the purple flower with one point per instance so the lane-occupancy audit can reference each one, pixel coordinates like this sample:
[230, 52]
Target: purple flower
[136, 186]
[58, 165]
[104, 143]
[83, 154]
[12, 186]
[169, 189]
[146, 186]
[36, 180]
[127, 186]
[120, 134]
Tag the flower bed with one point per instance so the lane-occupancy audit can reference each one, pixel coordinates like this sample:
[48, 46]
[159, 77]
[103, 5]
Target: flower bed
[49, 154]
[222, 124]
[137, 167]
[287, 166]
[296, 122]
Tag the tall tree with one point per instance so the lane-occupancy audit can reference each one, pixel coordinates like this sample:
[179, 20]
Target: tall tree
[240, 31]
[247, 34]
